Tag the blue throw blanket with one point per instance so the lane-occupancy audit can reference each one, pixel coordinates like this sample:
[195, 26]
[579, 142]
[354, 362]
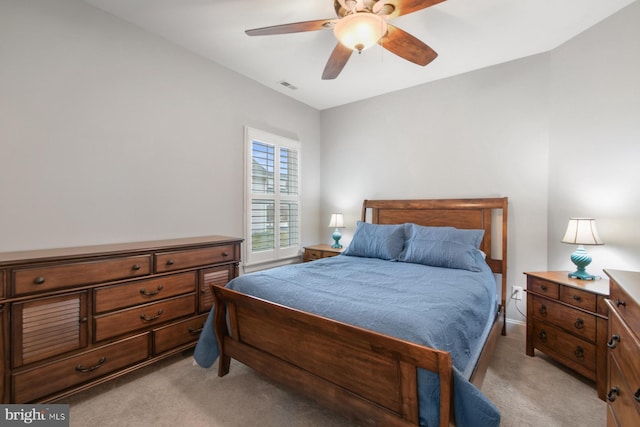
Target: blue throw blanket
[442, 308]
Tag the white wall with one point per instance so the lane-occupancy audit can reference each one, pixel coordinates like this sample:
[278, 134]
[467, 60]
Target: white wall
[595, 141]
[109, 134]
[481, 134]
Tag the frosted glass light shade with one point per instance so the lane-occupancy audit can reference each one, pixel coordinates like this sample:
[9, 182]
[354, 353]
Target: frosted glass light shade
[360, 31]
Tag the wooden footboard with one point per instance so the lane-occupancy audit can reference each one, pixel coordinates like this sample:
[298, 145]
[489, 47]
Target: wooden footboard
[359, 373]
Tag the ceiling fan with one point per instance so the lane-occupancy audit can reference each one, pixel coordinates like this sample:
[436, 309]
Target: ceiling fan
[361, 24]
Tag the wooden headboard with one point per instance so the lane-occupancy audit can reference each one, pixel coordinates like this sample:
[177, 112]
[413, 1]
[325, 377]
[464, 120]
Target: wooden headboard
[459, 213]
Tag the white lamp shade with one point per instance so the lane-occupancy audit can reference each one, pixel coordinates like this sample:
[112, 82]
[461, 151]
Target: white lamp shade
[360, 31]
[337, 221]
[582, 231]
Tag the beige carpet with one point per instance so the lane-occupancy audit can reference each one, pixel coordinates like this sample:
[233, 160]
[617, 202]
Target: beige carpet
[528, 391]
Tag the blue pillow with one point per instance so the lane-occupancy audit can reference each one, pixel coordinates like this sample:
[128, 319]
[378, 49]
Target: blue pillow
[450, 234]
[377, 241]
[447, 247]
[441, 253]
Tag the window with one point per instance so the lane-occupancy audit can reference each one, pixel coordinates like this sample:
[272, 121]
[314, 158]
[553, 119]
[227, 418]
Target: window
[272, 209]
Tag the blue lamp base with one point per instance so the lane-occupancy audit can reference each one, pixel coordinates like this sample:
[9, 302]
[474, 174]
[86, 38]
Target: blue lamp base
[336, 237]
[581, 259]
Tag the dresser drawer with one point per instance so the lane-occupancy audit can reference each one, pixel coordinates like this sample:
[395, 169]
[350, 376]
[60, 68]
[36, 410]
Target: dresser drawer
[579, 298]
[570, 319]
[625, 407]
[574, 352]
[543, 287]
[177, 260]
[171, 336]
[625, 348]
[628, 308]
[132, 319]
[39, 279]
[29, 385]
[120, 296]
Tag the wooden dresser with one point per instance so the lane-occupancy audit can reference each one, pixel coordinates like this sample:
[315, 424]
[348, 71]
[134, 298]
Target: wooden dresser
[76, 317]
[567, 320]
[312, 253]
[623, 379]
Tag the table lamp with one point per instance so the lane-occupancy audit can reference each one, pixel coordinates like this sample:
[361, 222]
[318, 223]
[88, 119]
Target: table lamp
[336, 222]
[581, 231]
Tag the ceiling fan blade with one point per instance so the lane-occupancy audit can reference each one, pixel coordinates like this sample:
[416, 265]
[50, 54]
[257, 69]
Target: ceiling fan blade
[405, 7]
[296, 27]
[337, 61]
[407, 46]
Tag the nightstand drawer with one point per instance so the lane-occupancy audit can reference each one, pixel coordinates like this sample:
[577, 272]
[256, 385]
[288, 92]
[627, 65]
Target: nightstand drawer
[543, 287]
[574, 352]
[570, 319]
[312, 254]
[578, 298]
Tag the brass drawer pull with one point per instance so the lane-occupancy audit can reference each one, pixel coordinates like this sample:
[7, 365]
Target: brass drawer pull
[39, 280]
[195, 331]
[579, 352]
[84, 370]
[136, 267]
[144, 292]
[543, 310]
[620, 303]
[613, 393]
[542, 335]
[613, 342]
[152, 318]
[579, 323]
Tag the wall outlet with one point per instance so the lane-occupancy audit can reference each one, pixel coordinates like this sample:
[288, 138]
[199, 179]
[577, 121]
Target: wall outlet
[517, 293]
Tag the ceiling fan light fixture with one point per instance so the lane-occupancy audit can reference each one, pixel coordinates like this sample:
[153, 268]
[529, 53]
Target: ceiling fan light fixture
[359, 31]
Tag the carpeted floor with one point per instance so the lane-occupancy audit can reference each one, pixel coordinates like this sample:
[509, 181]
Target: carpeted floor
[528, 391]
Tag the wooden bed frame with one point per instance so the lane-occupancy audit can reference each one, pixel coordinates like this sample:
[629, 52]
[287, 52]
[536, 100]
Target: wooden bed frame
[364, 375]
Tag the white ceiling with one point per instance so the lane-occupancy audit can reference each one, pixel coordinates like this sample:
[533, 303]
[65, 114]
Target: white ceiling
[467, 34]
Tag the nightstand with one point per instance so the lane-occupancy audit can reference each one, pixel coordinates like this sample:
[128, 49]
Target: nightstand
[567, 320]
[312, 253]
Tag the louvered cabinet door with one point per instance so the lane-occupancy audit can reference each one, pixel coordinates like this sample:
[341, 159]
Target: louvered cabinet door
[218, 276]
[48, 327]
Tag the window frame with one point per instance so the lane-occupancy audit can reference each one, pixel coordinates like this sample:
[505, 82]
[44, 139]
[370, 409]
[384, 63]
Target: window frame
[276, 253]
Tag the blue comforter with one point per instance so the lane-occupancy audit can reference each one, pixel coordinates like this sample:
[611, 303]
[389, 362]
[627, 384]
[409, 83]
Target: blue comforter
[442, 308]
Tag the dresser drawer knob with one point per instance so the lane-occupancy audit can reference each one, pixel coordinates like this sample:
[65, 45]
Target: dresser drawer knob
[169, 262]
[543, 310]
[136, 267]
[81, 368]
[579, 352]
[39, 280]
[542, 335]
[144, 292]
[195, 331]
[613, 393]
[636, 395]
[152, 318]
[613, 342]
[225, 253]
[577, 298]
[579, 323]
[544, 288]
[620, 303]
